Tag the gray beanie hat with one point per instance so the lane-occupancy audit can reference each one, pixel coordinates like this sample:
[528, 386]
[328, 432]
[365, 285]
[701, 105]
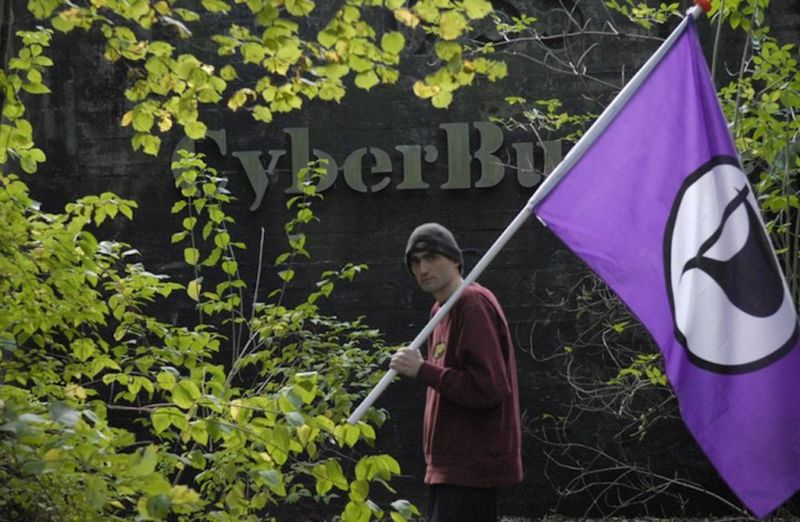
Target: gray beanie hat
[433, 237]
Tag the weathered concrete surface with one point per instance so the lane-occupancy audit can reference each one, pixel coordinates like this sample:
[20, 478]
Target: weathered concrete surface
[89, 153]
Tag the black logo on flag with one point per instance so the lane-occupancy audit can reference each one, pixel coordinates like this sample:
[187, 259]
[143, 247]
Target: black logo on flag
[730, 304]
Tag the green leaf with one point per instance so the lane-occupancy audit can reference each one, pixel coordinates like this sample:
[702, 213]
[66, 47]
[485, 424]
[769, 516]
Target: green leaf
[359, 64]
[477, 8]
[350, 14]
[213, 257]
[144, 462]
[367, 80]
[306, 386]
[299, 7]
[424, 90]
[207, 228]
[142, 121]
[274, 480]
[452, 25]
[83, 348]
[497, 70]
[388, 463]
[195, 130]
[228, 73]
[216, 6]
[262, 113]
[359, 490]
[367, 431]
[222, 239]
[126, 211]
[42, 8]
[36, 88]
[198, 432]
[185, 393]
[327, 38]
[351, 434]
[253, 52]
[356, 512]
[160, 48]
[329, 474]
[191, 256]
[162, 419]
[620, 327]
[34, 76]
[149, 143]
[96, 491]
[289, 52]
[447, 50]
[187, 15]
[442, 100]
[193, 289]
[166, 380]
[189, 223]
[230, 266]
[393, 42]
[281, 441]
[239, 99]
[185, 496]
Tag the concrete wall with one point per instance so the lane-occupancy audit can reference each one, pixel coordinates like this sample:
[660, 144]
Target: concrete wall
[534, 276]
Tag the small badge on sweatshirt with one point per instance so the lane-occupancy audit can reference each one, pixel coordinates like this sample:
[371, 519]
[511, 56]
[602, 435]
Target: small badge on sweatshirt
[439, 349]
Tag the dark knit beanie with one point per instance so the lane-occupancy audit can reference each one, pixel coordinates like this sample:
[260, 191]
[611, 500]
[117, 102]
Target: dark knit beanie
[433, 237]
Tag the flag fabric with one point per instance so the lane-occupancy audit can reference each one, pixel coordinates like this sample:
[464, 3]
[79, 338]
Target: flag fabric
[658, 207]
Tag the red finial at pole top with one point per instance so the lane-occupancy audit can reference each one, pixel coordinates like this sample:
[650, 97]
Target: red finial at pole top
[705, 5]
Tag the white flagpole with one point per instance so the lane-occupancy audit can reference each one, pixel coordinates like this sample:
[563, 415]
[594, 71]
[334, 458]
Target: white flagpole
[549, 183]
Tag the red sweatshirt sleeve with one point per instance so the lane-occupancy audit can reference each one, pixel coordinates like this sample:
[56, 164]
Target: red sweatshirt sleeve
[477, 376]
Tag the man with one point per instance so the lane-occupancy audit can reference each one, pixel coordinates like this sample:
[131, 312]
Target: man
[471, 433]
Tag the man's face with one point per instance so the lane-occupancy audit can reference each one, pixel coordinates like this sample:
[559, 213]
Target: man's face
[433, 271]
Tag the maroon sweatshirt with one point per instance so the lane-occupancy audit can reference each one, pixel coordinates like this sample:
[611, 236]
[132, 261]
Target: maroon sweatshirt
[471, 432]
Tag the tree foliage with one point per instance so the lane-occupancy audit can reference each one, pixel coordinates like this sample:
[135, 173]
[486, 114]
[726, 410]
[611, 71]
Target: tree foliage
[107, 410]
[273, 65]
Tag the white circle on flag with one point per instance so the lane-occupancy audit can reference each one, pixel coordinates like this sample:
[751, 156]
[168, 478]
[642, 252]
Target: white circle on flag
[731, 306]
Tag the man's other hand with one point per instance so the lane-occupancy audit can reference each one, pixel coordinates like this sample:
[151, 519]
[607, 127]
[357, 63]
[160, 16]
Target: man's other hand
[406, 361]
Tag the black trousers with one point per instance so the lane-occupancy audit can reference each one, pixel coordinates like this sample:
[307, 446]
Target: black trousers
[448, 503]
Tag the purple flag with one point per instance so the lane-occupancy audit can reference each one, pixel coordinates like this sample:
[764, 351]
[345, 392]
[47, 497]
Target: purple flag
[659, 208]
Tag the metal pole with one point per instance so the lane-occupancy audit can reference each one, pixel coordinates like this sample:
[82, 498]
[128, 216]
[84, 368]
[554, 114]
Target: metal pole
[549, 183]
